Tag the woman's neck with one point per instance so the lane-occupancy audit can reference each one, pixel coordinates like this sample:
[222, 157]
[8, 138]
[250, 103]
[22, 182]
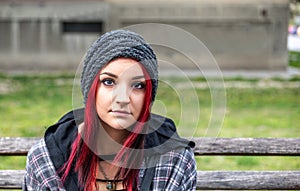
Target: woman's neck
[110, 140]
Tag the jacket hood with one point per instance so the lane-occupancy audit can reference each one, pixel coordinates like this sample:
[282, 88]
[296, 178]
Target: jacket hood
[161, 137]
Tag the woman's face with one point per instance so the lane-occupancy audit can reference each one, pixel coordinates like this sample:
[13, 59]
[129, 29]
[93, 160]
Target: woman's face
[121, 93]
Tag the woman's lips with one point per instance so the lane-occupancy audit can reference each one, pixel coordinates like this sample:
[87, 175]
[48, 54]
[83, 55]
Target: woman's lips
[120, 112]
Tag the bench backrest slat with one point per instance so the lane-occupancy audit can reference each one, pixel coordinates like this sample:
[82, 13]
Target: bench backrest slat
[247, 146]
[204, 146]
[16, 145]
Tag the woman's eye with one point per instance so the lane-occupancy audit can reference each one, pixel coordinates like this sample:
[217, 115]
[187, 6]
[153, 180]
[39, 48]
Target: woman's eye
[138, 85]
[108, 82]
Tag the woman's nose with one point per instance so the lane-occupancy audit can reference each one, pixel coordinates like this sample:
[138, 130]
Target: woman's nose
[122, 94]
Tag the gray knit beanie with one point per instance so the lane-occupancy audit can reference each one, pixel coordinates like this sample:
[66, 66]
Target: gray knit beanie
[118, 44]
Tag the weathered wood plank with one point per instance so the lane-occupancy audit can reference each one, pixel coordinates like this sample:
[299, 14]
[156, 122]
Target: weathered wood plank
[247, 146]
[204, 146]
[207, 180]
[16, 145]
[248, 180]
[11, 179]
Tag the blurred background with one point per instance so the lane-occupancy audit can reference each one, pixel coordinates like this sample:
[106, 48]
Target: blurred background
[256, 44]
[54, 35]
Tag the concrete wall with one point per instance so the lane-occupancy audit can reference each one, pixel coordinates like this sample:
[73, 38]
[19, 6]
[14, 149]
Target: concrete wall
[248, 34]
[33, 36]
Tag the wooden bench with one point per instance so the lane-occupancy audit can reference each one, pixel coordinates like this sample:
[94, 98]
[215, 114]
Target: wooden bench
[207, 180]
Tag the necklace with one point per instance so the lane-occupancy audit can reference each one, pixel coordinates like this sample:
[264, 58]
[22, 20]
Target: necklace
[110, 184]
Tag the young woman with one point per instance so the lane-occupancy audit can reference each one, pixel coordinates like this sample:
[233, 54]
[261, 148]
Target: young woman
[114, 142]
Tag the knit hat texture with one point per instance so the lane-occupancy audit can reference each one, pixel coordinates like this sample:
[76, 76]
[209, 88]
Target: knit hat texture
[118, 44]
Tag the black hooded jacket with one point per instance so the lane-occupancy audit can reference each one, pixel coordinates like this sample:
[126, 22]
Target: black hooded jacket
[60, 136]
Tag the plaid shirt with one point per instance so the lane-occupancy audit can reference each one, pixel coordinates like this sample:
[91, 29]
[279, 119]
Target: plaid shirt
[174, 171]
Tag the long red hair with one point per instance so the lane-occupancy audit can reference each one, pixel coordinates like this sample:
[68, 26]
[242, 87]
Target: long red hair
[85, 160]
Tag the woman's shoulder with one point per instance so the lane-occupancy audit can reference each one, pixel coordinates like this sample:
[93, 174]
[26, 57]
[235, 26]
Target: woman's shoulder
[38, 148]
[38, 154]
[175, 170]
[162, 136]
[39, 161]
[40, 172]
[179, 156]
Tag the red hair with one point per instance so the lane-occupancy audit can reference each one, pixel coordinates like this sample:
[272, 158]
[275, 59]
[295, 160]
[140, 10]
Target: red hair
[85, 160]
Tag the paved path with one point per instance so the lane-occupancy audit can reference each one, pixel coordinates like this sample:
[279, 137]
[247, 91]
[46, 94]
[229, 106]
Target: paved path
[291, 72]
[260, 84]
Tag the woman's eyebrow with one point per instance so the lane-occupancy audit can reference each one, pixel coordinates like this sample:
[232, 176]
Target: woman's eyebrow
[115, 76]
[109, 74]
[138, 77]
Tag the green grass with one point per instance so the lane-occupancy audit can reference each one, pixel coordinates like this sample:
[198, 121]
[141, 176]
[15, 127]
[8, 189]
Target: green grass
[247, 163]
[29, 104]
[33, 103]
[248, 113]
[294, 59]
